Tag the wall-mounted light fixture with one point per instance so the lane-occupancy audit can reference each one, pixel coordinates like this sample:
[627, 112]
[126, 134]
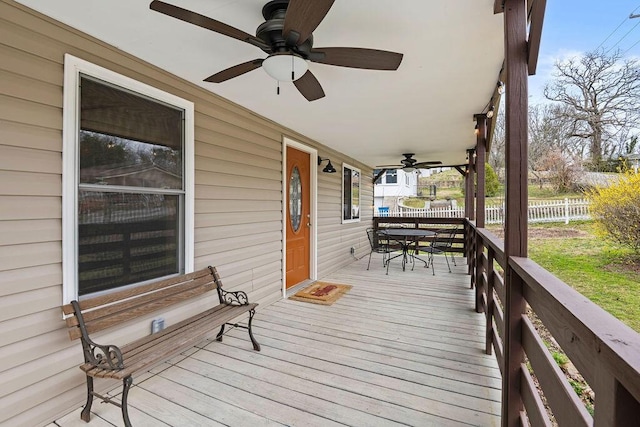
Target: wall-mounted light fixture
[329, 168]
[500, 87]
[491, 111]
[476, 130]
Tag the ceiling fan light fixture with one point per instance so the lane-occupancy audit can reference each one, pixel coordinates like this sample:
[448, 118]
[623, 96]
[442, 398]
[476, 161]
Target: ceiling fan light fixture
[408, 168]
[285, 66]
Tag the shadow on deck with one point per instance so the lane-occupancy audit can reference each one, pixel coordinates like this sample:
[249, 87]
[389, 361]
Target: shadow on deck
[402, 349]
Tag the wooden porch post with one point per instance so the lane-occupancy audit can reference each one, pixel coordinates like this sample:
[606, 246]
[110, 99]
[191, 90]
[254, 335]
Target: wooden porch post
[469, 189]
[481, 150]
[481, 144]
[469, 209]
[515, 242]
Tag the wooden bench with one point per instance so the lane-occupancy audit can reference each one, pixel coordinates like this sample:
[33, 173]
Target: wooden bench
[109, 311]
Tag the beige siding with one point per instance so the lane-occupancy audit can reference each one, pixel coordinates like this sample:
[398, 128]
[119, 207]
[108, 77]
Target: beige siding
[238, 200]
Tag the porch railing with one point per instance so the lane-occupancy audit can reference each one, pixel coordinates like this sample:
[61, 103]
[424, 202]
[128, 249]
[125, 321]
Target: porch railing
[539, 211]
[605, 351]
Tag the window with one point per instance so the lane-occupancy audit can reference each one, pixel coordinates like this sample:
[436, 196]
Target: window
[350, 194]
[391, 176]
[128, 182]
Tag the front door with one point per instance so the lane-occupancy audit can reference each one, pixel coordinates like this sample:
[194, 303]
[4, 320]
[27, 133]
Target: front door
[298, 222]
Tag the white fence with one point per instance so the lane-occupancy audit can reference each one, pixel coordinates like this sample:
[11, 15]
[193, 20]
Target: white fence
[547, 211]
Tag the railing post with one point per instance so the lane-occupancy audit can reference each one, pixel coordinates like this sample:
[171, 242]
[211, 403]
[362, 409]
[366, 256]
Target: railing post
[566, 210]
[615, 406]
[490, 302]
[479, 269]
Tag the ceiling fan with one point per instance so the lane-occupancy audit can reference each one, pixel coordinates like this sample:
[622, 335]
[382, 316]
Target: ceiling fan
[286, 36]
[409, 163]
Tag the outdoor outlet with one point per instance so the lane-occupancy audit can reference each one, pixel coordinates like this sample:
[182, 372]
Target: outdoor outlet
[157, 325]
[353, 250]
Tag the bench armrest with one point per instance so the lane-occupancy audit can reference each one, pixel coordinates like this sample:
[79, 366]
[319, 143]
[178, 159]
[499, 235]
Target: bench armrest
[234, 298]
[100, 356]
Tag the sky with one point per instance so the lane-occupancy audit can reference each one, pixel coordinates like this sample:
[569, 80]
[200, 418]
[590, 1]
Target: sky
[572, 27]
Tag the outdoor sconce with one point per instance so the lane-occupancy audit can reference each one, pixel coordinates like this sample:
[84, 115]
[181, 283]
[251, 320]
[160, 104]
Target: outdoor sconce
[500, 87]
[329, 168]
[491, 111]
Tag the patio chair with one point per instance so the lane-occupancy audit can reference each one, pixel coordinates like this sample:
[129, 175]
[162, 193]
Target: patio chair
[445, 242]
[380, 245]
[440, 244]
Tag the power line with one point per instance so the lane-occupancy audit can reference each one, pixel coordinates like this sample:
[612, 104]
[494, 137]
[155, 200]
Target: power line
[616, 29]
[623, 37]
[632, 46]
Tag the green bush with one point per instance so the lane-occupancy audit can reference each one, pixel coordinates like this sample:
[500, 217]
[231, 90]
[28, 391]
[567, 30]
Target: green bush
[616, 210]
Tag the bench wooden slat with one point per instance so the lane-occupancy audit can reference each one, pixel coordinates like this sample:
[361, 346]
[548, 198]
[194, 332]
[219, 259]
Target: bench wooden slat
[96, 314]
[89, 303]
[137, 311]
[150, 353]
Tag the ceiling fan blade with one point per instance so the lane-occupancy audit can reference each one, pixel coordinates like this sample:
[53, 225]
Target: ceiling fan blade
[206, 22]
[309, 86]
[355, 57]
[389, 167]
[302, 17]
[235, 71]
[425, 164]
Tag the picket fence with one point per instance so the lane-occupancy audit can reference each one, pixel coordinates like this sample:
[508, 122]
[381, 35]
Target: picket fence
[545, 211]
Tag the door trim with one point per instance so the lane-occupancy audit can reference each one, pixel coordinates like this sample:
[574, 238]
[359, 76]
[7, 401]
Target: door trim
[313, 184]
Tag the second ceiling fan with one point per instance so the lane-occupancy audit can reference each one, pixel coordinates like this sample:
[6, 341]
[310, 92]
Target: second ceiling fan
[408, 164]
[286, 36]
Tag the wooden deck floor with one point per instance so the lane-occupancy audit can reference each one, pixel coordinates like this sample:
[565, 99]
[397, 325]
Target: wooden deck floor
[402, 349]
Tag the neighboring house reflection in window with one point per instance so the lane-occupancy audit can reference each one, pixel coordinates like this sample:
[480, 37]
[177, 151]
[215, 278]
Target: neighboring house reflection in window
[133, 204]
[350, 194]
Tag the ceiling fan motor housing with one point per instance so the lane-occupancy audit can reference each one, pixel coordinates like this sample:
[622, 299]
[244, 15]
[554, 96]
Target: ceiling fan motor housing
[271, 30]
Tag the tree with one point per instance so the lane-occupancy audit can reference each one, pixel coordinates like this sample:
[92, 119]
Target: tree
[616, 210]
[492, 185]
[496, 153]
[601, 93]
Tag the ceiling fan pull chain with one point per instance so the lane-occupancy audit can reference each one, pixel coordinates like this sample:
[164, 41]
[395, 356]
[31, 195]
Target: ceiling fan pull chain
[293, 75]
[278, 89]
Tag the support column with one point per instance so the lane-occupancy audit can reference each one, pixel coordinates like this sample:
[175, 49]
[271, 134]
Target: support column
[480, 161]
[481, 149]
[515, 242]
[469, 189]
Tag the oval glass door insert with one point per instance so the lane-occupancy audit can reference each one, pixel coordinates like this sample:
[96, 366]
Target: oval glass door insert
[295, 199]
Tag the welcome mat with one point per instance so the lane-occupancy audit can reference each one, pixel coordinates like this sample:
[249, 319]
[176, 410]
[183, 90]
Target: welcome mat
[321, 293]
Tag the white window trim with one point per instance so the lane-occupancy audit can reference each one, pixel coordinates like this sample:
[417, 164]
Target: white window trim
[73, 67]
[353, 168]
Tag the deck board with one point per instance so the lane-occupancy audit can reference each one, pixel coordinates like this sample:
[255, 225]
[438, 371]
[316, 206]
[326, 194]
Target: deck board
[402, 349]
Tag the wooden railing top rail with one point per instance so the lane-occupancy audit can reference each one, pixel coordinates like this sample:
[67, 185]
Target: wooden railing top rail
[592, 338]
[492, 241]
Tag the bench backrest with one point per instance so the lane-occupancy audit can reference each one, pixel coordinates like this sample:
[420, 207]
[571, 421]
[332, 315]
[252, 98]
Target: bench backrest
[104, 311]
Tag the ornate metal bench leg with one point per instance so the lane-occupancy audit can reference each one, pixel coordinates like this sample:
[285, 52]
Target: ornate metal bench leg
[256, 346]
[219, 336]
[85, 415]
[125, 393]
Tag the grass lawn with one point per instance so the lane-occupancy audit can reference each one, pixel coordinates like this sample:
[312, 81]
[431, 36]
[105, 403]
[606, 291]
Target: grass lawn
[602, 271]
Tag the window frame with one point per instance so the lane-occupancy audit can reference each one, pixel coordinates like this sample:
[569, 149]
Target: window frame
[352, 169]
[73, 69]
[391, 173]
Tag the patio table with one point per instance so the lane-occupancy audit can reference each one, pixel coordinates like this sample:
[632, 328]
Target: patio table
[405, 237]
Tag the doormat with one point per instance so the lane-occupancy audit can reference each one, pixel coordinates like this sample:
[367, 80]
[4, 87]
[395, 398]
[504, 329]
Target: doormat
[321, 293]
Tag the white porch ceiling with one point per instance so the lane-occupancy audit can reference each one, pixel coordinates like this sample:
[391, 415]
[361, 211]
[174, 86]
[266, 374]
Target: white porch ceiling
[453, 52]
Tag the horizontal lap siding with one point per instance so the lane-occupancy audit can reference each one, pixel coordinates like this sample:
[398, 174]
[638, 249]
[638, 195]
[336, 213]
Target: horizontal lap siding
[335, 238]
[238, 207]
